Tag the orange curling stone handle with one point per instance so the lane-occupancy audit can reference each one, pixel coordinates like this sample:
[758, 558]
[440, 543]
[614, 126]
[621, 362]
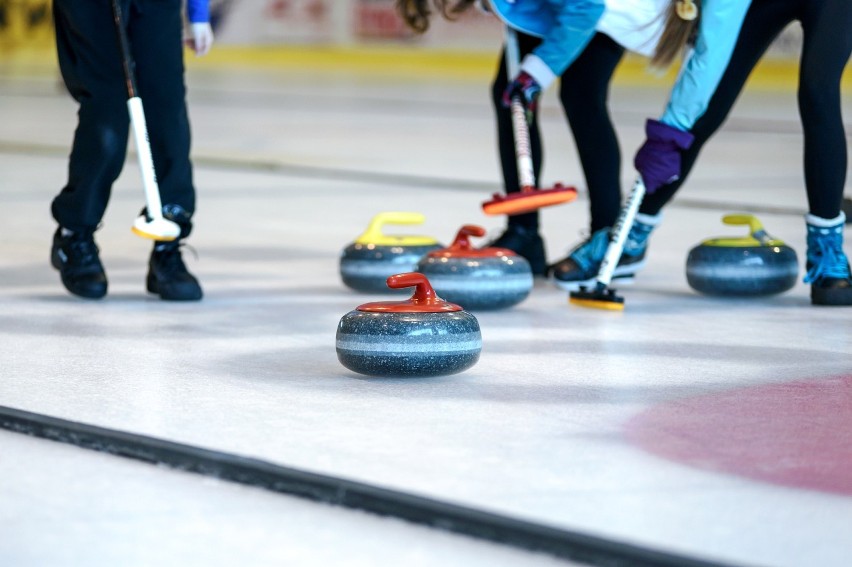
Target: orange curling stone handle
[462, 248]
[462, 240]
[424, 299]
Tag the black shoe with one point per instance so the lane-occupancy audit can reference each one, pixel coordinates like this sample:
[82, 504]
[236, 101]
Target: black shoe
[526, 242]
[168, 276]
[832, 291]
[75, 255]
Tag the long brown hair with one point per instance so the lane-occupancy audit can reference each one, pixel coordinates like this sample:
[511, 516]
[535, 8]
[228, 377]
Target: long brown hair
[677, 31]
[416, 13]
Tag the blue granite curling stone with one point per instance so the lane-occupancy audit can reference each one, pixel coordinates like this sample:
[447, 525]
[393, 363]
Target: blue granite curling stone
[366, 264]
[477, 278]
[422, 336]
[754, 265]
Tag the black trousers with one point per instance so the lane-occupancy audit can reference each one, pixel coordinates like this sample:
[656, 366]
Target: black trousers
[827, 27]
[91, 66]
[584, 94]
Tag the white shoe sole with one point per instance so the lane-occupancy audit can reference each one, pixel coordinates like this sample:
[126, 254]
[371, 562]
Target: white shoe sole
[620, 276]
[575, 286]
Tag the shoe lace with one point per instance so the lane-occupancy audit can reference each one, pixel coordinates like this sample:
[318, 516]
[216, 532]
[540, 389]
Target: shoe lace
[82, 249]
[591, 252]
[169, 258]
[827, 259]
[637, 238]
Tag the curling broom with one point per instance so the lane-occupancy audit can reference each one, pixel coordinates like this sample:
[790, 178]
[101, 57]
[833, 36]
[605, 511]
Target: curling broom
[529, 198]
[601, 296]
[151, 225]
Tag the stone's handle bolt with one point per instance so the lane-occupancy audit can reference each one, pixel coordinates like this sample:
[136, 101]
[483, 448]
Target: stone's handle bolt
[462, 241]
[424, 293]
[755, 226]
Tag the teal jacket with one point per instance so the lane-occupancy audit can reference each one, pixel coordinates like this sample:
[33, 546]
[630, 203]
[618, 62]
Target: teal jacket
[565, 26]
[704, 66]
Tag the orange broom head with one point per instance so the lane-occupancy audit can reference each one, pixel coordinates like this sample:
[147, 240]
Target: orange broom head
[598, 298]
[528, 200]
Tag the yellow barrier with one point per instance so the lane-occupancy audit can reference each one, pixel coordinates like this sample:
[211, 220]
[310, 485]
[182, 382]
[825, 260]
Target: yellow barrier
[418, 64]
[26, 36]
[25, 25]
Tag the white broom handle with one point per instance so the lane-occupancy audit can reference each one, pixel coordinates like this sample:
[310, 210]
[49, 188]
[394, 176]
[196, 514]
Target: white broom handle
[523, 149]
[620, 231]
[146, 162]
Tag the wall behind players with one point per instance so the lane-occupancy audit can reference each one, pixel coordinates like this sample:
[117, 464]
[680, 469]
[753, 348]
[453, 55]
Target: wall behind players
[355, 22]
[27, 25]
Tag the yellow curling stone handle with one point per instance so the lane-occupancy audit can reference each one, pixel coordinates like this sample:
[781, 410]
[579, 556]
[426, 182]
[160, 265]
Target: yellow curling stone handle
[374, 234]
[757, 234]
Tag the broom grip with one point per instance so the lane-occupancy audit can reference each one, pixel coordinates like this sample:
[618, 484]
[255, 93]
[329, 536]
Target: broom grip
[124, 45]
[619, 233]
[523, 148]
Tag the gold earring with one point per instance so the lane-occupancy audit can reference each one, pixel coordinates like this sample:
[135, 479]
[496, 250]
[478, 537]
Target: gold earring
[686, 10]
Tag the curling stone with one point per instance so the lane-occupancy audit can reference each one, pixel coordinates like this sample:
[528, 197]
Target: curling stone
[752, 265]
[366, 264]
[422, 336]
[477, 278]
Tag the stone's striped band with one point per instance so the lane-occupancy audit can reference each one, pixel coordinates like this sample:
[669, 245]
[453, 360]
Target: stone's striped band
[742, 271]
[408, 344]
[369, 268]
[479, 283]
[747, 271]
[366, 267]
[354, 344]
[411, 327]
[482, 284]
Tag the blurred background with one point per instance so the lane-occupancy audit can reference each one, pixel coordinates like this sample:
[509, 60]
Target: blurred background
[358, 34]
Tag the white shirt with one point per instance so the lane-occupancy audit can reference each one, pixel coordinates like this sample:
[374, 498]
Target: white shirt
[636, 25]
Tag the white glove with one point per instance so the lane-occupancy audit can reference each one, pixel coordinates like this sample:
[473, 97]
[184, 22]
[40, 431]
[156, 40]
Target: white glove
[200, 38]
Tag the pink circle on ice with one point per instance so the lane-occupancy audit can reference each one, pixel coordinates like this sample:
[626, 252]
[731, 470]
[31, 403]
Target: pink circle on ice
[797, 434]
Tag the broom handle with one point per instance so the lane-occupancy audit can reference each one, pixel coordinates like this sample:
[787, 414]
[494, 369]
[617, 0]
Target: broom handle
[619, 233]
[523, 148]
[146, 161]
[137, 121]
[124, 45]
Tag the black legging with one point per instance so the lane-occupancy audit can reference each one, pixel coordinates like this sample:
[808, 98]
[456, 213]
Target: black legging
[584, 91]
[827, 26]
[91, 66]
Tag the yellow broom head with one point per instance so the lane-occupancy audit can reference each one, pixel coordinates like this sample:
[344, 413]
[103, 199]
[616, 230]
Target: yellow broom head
[598, 298]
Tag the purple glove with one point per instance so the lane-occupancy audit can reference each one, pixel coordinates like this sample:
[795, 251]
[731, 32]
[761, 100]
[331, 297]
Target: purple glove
[527, 89]
[658, 160]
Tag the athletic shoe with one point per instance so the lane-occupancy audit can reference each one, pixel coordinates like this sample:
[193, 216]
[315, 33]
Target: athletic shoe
[827, 265]
[526, 242]
[581, 266]
[168, 276]
[75, 255]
